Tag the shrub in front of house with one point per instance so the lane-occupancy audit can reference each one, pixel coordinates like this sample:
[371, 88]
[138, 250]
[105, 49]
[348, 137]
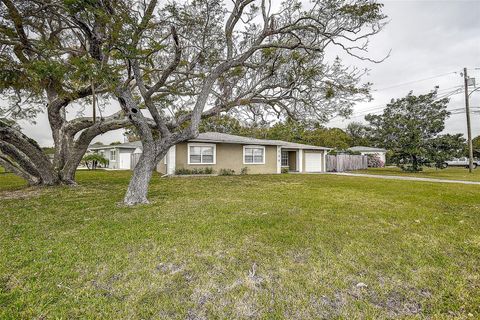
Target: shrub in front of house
[244, 171]
[226, 172]
[285, 170]
[184, 171]
[374, 161]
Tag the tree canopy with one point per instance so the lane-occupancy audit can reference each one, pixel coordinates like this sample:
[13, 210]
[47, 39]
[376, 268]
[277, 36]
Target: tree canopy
[170, 64]
[476, 146]
[410, 127]
[54, 58]
[359, 134]
[260, 60]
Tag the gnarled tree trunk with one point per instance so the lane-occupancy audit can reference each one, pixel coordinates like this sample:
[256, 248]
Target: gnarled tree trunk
[142, 174]
[25, 158]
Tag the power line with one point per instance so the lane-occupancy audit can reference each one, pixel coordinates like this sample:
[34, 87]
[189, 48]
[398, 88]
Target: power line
[382, 106]
[414, 81]
[379, 108]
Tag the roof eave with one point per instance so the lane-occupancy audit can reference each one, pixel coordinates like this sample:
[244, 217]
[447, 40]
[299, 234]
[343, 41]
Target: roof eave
[236, 142]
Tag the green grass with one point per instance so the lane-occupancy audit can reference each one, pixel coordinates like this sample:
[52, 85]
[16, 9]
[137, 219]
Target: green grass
[268, 247]
[454, 173]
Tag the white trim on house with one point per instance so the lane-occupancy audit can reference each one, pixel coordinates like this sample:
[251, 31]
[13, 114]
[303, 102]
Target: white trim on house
[324, 161]
[115, 153]
[254, 147]
[300, 160]
[195, 144]
[170, 159]
[279, 159]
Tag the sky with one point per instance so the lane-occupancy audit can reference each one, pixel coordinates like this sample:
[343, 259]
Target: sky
[430, 42]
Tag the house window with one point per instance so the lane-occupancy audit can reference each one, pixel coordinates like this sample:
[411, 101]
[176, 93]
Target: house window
[201, 154]
[284, 158]
[113, 155]
[253, 155]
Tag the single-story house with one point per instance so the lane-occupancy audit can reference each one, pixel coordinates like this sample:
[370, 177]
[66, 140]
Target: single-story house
[225, 151]
[369, 150]
[119, 156]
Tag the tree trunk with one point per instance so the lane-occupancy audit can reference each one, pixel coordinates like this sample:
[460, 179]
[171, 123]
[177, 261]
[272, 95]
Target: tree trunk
[70, 168]
[31, 180]
[142, 174]
[414, 163]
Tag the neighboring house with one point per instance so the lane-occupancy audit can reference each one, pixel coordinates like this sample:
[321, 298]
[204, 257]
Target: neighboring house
[369, 150]
[225, 151]
[119, 156]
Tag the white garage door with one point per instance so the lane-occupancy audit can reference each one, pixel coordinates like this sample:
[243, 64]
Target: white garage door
[124, 161]
[313, 162]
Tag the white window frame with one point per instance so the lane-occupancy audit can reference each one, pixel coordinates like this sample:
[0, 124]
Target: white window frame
[114, 152]
[281, 159]
[256, 147]
[202, 145]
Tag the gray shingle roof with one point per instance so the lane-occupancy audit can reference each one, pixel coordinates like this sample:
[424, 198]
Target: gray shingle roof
[230, 138]
[127, 145]
[301, 146]
[366, 149]
[217, 137]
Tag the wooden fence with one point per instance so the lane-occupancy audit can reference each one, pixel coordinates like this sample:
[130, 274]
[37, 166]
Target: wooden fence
[346, 162]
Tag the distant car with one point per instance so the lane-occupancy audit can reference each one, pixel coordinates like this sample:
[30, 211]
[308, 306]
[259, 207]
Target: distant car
[460, 162]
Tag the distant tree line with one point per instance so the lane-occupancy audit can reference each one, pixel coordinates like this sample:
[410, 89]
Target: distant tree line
[410, 128]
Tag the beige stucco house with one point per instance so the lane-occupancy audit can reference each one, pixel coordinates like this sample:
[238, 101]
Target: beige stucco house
[225, 151]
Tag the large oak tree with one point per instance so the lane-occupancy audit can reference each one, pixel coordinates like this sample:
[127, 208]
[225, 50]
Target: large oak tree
[170, 64]
[54, 58]
[410, 127]
[187, 60]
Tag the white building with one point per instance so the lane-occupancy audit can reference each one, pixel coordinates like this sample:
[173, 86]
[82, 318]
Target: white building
[119, 156]
[370, 151]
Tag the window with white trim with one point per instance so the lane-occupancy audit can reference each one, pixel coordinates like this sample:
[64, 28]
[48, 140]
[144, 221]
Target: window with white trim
[253, 155]
[201, 154]
[284, 158]
[113, 155]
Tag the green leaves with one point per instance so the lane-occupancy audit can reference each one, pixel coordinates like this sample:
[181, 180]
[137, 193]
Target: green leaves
[75, 6]
[410, 127]
[364, 11]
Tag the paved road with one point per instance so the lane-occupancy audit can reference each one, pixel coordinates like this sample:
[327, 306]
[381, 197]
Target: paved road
[378, 176]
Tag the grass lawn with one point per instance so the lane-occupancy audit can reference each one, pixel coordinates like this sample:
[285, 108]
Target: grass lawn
[454, 173]
[273, 246]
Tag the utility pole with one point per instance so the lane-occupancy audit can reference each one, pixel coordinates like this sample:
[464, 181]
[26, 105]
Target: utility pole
[469, 126]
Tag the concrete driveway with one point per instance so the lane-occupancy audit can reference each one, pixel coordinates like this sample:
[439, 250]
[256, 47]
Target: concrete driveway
[378, 176]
